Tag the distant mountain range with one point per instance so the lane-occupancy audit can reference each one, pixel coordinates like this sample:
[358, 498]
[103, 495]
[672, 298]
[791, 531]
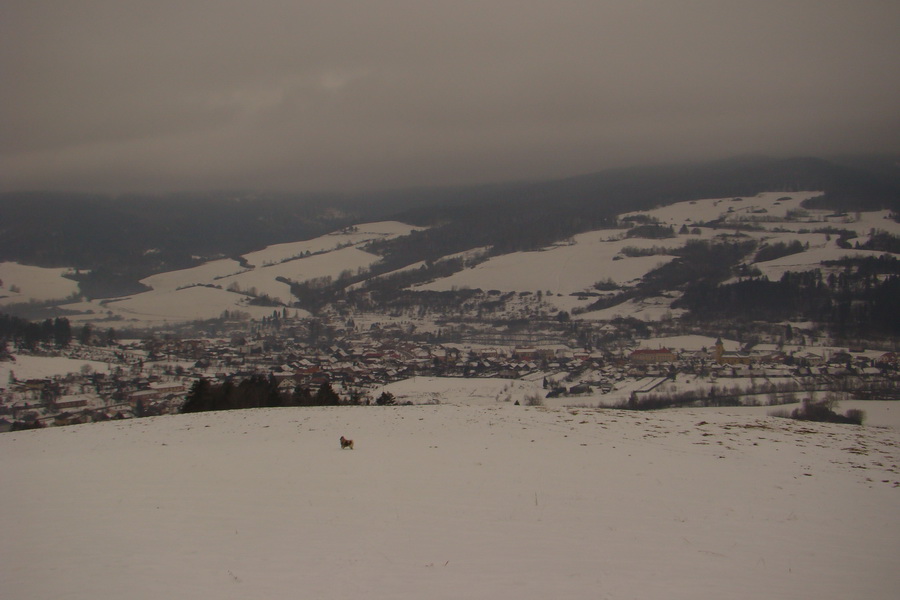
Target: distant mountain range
[125, 238]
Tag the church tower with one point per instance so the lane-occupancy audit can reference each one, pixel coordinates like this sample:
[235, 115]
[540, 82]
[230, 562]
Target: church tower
[720, 350]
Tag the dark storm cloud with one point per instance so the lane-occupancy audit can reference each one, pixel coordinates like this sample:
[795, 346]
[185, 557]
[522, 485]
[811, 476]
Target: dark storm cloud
[158, 95]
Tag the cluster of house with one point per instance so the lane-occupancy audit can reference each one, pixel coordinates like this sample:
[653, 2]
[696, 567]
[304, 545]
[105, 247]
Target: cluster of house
[771, 360]
[87, 397]
[153, 377]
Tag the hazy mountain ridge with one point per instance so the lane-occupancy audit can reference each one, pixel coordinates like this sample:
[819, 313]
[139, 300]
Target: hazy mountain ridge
[592, 247]
[122, 239]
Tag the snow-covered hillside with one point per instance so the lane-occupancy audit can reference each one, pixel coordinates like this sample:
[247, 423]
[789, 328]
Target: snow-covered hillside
[565, 273]
[21, 283]
[809, 260]
[206, 291]
[451, 501]
[564, 268]
[265, 280]
[568, 269]
[25, 367]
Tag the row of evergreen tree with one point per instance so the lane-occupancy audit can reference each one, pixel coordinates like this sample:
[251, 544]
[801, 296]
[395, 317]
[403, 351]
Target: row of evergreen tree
[259, 391]
[256, 391]
[58, 331]
[27, 333]
[851, 304]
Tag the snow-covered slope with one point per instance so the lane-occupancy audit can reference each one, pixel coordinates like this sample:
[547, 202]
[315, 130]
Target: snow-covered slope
[564, 268]
[207, 290]
[21, 283]
[25, 367]
[265, 280]
[768, 204]
[206, 273]
[450, 501]
[327, 243]
[809, 260]
[567, 270]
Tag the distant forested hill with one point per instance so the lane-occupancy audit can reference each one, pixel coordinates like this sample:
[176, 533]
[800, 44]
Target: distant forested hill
[57, 229]
[530, 215]
[122, 239]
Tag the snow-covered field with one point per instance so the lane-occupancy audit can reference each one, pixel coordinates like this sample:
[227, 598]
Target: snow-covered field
[38, 367]
[564, 269]
[689, 343]
[209, 272]
[775, 204]
[33, 283]
[484, 392]
[331, 264]
[648, 309]
[809, 260]
[188, 304]
[187, 295]
[328, 243]
[451, 501]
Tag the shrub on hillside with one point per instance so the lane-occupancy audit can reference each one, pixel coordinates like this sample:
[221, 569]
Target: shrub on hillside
[386, 399]
[823, 412]
[533, 400]
[855, 415]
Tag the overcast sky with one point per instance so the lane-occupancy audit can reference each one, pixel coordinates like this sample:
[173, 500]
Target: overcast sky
[165, 95]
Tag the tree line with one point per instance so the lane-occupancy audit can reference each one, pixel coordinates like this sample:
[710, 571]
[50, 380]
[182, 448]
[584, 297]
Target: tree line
[58, 331]
[852, 304]
[259, 391]
[29, 334]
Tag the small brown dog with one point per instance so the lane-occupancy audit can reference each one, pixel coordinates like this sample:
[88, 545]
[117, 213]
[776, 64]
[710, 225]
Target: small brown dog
[345, 443]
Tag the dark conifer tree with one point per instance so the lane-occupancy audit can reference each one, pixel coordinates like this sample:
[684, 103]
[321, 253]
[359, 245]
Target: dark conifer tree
[62, 332]
[302, 396]
[326, 396]
[385, 399]
[199, 398]
[86, 334]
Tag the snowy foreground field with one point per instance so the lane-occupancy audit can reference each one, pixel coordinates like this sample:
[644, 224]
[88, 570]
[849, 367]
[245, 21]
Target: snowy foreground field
[451, 501]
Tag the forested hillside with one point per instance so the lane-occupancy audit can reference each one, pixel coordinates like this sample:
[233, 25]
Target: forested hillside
[119, 240]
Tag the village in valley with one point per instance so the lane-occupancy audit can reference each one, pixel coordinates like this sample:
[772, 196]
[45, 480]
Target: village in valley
[151, 377]
[728, 362]
[434, 300]
[596, 320]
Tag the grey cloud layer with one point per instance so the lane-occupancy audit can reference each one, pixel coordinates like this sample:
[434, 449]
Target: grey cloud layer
[142, 95]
